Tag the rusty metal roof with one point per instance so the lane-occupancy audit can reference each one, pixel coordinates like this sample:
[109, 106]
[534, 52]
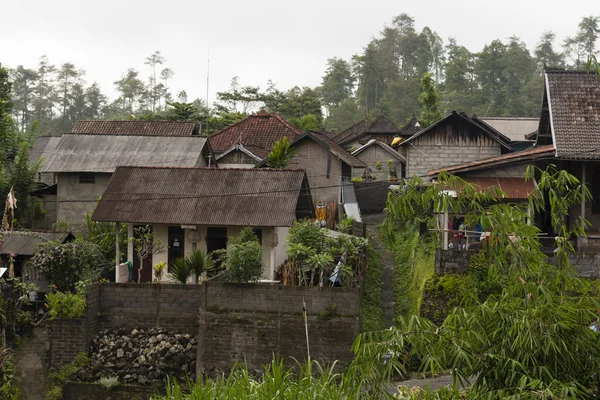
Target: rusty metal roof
[103, 153]
[24, 243]
[202, 196]
[573, 99]
[514, 188]
[525, 155]
[142, 128]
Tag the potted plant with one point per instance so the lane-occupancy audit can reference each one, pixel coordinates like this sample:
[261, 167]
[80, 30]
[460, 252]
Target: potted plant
[159, 269]
[378, 166]
[392, 172]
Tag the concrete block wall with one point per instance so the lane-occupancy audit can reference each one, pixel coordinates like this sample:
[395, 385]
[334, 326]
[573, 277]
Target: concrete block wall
[422, 159]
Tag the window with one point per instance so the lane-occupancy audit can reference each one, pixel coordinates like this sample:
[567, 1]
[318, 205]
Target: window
[595, 187]
[87, 178]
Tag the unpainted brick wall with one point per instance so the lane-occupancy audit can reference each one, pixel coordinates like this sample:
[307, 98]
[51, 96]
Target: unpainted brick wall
[90, 391]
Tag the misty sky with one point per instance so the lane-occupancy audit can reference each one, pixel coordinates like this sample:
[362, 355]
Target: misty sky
[288, 42]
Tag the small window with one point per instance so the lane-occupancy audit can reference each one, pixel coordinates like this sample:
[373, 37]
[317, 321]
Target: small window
[87, 178]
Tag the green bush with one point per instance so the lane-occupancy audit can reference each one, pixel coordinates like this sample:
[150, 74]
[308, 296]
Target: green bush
[57, 379]
[180, 270]
[345, 225]
[372, 305]
[65, 305]
[245, 258]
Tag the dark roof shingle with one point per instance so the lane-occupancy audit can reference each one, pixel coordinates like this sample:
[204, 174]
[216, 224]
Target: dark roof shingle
[141, 128]
[574, 109]
[260, 130]
[24, 243]
[202, 196]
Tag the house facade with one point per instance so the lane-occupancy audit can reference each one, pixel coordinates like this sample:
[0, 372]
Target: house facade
[83, 164]
[200, 208]
[249, 141]
[453, 140]
[381, 159]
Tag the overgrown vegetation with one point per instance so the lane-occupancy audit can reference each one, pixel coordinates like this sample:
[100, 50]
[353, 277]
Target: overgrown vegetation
[281, 154]
[245, 257]
[57, 379]
[372, 302]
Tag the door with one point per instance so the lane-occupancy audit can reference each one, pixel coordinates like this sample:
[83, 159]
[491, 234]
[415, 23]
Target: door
[176, 243]
[216, 239]
[146, 275]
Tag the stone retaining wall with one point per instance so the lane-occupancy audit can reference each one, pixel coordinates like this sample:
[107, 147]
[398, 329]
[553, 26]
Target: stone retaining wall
[91, 391]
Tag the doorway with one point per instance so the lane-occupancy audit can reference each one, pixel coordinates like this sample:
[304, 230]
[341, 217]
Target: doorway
[176, 243]
[216, 239]
[146, 274]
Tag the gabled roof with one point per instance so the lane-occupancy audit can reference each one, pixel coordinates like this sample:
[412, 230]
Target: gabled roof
[257, 130]
[380, 126]
[103, 153]
[384, 146]
[24, 243]
[490, 132]
[143, 128]
[247, 151]
[205, 196]
[515, 128]
[571, 113]
[411, 127]
[525, 155]
[43, 148]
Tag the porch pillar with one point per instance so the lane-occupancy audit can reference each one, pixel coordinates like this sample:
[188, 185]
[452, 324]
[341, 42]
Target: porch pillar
[445, 230]
[117, 252]
[583, 180]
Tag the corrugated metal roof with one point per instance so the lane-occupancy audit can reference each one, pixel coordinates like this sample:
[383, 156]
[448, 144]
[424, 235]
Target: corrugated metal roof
[574, 102]
[515, 128]
[43, 148]
[143, 128]
[514, 188]
[529, 154]
[257, 130]
[103, 153]
[202, 196]
[24, 243]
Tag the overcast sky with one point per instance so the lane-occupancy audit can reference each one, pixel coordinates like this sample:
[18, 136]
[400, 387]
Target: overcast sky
[288, 42]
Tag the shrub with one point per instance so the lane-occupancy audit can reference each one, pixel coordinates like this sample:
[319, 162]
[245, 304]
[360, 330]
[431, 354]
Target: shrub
[180, 270]
[109, 382]
[245, 258]
[65, 305]
[57, 379]
[200, 262]
[65, 264]
[372, 305]
[345, 225]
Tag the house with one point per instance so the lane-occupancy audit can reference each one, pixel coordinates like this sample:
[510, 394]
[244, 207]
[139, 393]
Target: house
[568, 136]
[453, 140]
[249, 141]
[199, 208]
[84, 163]
[377, 156]
[381, 128]
[21, 245]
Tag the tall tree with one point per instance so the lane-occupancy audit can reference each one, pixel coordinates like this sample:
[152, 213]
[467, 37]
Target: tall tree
[545, 54]
[338, 82]
[24, 81]
[583, 44]
[131, 89]
[430, 106]
[95, 102]
[45, 91]
[489, 69]
[152, 61]
[69, 77]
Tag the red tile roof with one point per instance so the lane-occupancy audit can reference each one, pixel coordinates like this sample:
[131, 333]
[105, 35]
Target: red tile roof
[514, 188]
[529, 154]
[260, 130]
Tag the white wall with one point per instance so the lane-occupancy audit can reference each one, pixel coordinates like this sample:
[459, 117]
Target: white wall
[244, 166]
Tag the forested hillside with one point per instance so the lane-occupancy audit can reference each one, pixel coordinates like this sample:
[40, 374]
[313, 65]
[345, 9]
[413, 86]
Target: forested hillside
[503, 79]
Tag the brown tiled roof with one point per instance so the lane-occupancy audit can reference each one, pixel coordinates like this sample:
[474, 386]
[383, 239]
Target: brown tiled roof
[24, 243]
[574, 108]
[529, 154]
[514, 188]
[202, 196]
[338, 150]
[257, 130]
[142, 128]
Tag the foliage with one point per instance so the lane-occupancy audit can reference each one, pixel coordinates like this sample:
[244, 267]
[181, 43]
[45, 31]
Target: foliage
[356, 179]
[109, 382]
[372, 305]
[345, 225]
[200, 262]
[378, 166]
[65, 264]
[14, 319]
[307, 122]
[9, 388]
[180, 270]
[281, 154]
[103, 234]
[430, 106]
[57, 379]
[244, 257]
[65, 305]
[145, 245]
[159, 269]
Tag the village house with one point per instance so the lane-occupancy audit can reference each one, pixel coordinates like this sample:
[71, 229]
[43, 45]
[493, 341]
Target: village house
[568, 136]
[452, 140]
[249, 141]
[200, 208]
[83, 162]
[381, 128]
[377, 156]
[21, 246]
